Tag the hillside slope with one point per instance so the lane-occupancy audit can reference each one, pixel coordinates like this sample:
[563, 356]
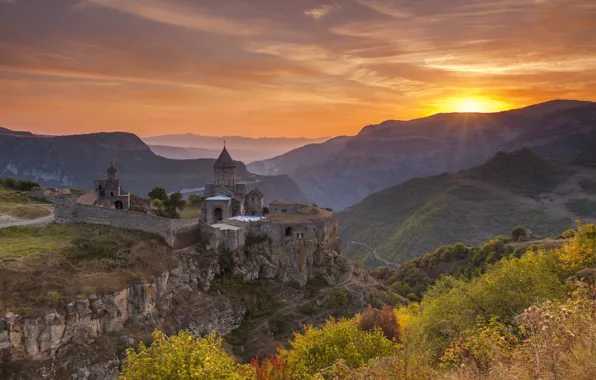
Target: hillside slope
[344, 170]
[78, 160]
[470, 206]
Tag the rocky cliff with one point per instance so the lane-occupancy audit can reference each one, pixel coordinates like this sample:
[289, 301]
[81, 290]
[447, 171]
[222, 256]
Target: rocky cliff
[86, 339]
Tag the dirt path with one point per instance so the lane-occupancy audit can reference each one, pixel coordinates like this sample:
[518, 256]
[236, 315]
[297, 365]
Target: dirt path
[376, 255]
[32, 222]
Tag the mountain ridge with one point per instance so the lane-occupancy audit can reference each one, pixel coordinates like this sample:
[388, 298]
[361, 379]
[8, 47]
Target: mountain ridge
[78, 160]
[344, 170]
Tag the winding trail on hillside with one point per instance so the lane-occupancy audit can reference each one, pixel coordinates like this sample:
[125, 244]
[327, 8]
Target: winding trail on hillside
[32, 222]
[376, 255]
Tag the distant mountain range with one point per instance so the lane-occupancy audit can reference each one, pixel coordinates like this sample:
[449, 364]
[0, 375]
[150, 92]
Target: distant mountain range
[344, 170]
[471, 206]
[245, 149]
[78, 160]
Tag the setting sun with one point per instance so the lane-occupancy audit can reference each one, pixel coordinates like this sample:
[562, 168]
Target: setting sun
[471, 104]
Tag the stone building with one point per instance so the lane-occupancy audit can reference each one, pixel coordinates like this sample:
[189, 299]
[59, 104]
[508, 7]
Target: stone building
[225, 198]
[280, 206]
[108, 193]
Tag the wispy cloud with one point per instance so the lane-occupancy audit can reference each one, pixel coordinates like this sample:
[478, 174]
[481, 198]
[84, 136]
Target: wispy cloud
[174, 13]
[321, 11]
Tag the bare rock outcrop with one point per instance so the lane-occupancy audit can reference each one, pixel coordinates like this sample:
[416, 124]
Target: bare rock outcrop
[87, 338]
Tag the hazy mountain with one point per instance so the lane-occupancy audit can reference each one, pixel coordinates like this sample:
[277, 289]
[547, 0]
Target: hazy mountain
[180, 153]
[344, 170]
[6, 131]
[470, 206]
[78, 160]
[246, 149]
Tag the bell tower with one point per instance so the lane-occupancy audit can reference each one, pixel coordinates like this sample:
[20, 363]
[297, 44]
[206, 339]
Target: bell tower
[224, 169]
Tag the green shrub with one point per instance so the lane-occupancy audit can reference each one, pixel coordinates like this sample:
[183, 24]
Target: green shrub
[518, 233]
[338, 298]
[505, 290]
[278, 325]
[309, 308]
[19, 185]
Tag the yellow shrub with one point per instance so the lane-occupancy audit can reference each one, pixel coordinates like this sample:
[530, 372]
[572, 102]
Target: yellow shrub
[580, 252]
[182, 356]
[319, 348]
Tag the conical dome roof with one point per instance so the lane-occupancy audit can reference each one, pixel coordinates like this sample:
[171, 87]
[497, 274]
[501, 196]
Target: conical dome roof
[112, 169]
[224, 160]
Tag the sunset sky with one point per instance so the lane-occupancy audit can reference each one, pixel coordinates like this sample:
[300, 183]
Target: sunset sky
[283, 67]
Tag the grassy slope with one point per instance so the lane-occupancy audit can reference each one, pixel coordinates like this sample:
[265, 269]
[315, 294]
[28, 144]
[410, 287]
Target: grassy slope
[17, 204]
[415, 217]
[46, 267]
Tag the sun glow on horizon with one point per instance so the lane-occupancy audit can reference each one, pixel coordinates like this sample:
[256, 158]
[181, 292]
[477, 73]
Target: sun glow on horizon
[472, 104]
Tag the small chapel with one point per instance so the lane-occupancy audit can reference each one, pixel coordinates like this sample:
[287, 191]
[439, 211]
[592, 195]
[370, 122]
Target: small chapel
[108, 193]
[225, 198]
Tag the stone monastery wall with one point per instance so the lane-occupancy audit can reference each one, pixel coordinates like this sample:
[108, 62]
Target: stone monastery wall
[176, 233]
[279, 233]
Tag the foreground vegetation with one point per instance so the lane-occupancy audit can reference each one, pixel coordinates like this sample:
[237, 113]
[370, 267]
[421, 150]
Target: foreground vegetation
[529, 316]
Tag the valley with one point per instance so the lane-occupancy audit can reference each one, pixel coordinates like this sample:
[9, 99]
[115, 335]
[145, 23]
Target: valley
[410, 219]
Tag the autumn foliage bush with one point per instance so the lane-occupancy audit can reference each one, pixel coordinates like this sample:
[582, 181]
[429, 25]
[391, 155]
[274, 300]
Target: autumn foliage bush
[383, 319]
[272, 368]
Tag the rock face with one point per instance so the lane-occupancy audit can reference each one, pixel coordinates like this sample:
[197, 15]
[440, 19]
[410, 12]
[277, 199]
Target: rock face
[86, 339]
[292, 261]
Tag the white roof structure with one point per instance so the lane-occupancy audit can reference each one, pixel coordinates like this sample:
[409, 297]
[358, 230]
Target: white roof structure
[219, 197]
[248, 218]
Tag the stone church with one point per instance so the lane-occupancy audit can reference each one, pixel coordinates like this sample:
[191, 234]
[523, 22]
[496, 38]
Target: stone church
[225, 198]
[108, 193]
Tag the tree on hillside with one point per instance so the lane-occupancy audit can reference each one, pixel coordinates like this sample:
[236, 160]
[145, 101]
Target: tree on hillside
[158, 193]
[174, 203]
[195, 200]
[167, 206]
[518, 233]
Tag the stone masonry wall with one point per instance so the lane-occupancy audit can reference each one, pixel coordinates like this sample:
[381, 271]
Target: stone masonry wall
[215, 238]
[67, 211]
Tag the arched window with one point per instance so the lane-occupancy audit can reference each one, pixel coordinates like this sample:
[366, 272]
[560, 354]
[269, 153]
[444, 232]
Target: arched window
[289, 231]
[118, 205]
